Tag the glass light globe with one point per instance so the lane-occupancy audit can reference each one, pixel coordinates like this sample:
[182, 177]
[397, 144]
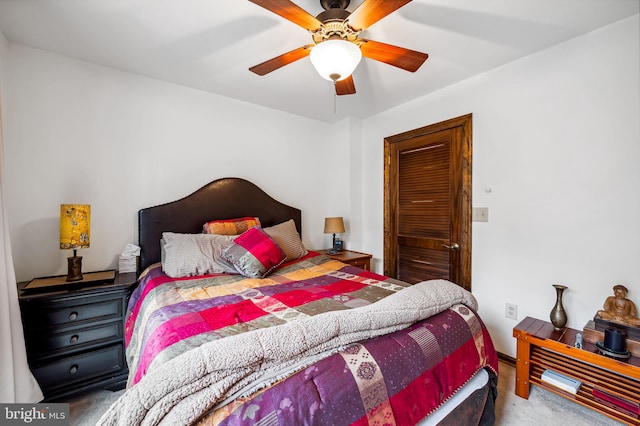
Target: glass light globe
[335, 60]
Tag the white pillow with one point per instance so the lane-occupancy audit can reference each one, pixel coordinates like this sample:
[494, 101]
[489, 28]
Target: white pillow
[187, 255]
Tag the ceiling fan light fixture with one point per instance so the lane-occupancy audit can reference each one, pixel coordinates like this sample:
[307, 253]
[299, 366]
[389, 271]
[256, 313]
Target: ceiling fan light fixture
[335, 59]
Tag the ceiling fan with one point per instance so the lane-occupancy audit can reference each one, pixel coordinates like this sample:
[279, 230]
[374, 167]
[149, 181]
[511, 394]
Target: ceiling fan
[336, 28]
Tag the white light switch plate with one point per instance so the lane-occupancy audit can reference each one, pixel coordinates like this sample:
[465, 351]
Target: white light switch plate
[481, 214]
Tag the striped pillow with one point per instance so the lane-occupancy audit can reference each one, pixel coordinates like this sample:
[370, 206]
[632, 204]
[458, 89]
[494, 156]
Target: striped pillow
[185, 255]
[254, 254]
[286, 236]
[230, 226]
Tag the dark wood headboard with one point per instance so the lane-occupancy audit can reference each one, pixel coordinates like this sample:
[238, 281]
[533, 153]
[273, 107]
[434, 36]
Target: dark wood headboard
[225, 198]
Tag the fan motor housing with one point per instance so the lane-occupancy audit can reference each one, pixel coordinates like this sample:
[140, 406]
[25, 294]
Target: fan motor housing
[333, 15]
[334, 4]
[334, 25]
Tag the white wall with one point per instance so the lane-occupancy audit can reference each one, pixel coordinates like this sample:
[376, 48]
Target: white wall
[556, 136]
[82, 133]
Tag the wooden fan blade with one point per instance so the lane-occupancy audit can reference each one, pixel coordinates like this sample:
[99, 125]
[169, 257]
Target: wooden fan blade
[371, 11]
[346, 86]
[282, 60]
[409, 60]
[292, 12]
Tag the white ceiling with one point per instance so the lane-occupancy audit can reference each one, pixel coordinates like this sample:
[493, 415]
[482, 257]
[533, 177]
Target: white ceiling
[210, 44]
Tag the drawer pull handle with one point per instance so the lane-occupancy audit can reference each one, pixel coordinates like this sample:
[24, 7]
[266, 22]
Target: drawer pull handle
[73, 316]
[73, 369]
[74, 338]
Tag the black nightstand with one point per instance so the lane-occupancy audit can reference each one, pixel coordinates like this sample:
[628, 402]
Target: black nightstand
[75, 334]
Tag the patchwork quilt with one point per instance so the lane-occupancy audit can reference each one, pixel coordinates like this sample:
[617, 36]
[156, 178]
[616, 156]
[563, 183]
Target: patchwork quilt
[168, 316]
[396, 379]
[395, 366]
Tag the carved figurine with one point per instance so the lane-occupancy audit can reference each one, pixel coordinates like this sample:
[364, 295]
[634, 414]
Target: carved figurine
[619, 309]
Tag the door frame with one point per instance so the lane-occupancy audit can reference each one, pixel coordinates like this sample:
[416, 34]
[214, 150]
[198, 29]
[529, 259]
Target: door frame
[462, 195]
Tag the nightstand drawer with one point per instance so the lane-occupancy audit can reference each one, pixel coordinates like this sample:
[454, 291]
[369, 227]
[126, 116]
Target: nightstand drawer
[60, 314]
[81, 367]
[361, 263]
[74, 338]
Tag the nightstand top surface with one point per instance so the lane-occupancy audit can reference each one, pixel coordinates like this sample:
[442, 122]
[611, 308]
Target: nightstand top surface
[116, 281]
[563, 338]
[346, 254]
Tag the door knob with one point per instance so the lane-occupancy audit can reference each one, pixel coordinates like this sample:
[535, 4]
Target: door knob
[453, 246]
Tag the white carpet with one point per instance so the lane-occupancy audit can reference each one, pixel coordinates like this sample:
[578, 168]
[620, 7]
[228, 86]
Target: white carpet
[86, 410]
[541, 409]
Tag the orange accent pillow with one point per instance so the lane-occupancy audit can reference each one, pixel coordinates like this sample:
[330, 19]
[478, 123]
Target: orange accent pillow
[230, 226]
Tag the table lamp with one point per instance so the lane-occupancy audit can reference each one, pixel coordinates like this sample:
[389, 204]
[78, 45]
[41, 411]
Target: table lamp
[334, 225]
[75, 220]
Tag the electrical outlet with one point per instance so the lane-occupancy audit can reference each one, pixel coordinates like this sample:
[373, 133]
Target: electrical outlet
[511, 310]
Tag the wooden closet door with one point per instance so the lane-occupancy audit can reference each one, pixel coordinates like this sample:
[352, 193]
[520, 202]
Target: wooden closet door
[427, 214]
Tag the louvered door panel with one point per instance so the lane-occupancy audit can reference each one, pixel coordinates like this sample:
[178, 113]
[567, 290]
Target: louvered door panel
[424, 216]
[424, 200]
[417, 263]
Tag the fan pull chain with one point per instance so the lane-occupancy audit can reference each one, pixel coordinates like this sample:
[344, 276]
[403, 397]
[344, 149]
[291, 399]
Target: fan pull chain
[334, 98]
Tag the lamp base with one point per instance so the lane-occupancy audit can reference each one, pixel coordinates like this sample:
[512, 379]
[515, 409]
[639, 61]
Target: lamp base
[74, 271]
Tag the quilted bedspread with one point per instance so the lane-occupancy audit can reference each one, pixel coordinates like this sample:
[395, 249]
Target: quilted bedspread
[169, 316]
[395, 379]
[399, 376]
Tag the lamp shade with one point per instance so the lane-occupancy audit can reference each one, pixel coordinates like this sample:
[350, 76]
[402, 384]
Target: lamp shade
[75, 222]
[333, 225]
[335, 60]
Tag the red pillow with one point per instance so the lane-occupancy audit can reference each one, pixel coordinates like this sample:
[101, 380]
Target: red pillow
[254, 254]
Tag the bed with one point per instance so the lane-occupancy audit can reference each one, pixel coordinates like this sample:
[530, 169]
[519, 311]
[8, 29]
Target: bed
[256, 329]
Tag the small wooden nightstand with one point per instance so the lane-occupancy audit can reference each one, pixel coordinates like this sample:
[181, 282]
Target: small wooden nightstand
[74, 334]
[541, 347]
[354, 258]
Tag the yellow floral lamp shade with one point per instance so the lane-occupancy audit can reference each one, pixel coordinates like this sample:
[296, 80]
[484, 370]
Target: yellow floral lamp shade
[75, 223]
